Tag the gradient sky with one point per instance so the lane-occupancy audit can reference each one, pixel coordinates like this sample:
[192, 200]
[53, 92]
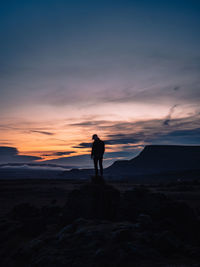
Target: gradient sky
[126, 70]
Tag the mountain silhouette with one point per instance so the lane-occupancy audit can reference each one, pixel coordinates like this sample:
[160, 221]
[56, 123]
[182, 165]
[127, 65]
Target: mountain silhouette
[155, 159]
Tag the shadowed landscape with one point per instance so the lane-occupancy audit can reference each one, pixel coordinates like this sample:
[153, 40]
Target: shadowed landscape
[100, 133]
[59, 221]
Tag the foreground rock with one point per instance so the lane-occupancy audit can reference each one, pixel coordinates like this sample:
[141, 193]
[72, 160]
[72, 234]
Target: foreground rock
[164, 213]
[92, 201]
[99, 226]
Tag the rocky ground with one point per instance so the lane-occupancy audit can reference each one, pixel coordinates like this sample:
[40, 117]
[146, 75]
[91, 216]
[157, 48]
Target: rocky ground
[97, 224]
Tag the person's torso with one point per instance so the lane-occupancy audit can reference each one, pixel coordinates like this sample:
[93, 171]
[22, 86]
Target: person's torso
[98, 147]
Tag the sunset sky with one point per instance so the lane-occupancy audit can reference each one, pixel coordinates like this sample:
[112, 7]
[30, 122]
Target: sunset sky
[126, 70]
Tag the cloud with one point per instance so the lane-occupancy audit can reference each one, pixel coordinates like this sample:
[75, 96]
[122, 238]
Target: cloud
[89, 123]
[8, 151]
[176, 88]
[116, 139]
[83, 145]
[121, 155]
[184, 136]
[6, 143]
[33, 167]
[131, 147]
[149, 92]
[180, 137]
[11, 155]
[59, 153]
[42, 132]
[133, 138]
[131, 134]
[181, 131]
[168, 118]
[186, 133]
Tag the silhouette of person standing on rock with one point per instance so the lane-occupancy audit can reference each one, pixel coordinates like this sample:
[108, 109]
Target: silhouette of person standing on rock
[98, 148]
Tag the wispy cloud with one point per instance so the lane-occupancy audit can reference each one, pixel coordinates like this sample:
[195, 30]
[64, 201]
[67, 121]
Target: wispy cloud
[136, 133]
[59, 153]
[41, 132]
[168, 118]
[133, 138]
[83, 145]
[89, 123]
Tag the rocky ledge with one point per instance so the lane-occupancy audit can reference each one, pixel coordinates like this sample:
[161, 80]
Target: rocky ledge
[99, 226]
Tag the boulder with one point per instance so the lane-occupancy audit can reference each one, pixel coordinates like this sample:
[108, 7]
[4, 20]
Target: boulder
[92, 201]
[140, 201]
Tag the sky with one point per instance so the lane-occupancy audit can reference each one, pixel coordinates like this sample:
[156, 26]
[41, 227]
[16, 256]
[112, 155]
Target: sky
[125, 70]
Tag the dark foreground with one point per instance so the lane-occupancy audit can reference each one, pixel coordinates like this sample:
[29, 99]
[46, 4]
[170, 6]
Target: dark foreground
[63, 223]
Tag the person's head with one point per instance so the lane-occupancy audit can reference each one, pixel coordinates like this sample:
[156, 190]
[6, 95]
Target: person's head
[95, 137]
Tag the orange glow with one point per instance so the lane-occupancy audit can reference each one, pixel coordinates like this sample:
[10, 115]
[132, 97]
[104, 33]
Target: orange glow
[40, 136]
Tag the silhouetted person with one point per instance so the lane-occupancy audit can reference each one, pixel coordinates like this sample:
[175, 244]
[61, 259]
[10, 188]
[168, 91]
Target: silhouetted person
[98, 149]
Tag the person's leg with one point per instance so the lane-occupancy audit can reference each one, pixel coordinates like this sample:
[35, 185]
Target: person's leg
[101, 166]
[95, 166]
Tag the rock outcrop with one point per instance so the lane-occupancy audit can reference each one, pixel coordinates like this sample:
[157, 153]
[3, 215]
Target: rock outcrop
[99, 226]
[92, 201]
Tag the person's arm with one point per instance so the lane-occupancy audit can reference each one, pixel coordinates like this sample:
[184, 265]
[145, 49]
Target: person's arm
[103, 147]
[92, 152]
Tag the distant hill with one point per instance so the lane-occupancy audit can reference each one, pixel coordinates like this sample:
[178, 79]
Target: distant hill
[156, 159]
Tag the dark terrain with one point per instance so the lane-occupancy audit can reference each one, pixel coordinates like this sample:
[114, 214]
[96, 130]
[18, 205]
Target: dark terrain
[68, 223]
[145, 214]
